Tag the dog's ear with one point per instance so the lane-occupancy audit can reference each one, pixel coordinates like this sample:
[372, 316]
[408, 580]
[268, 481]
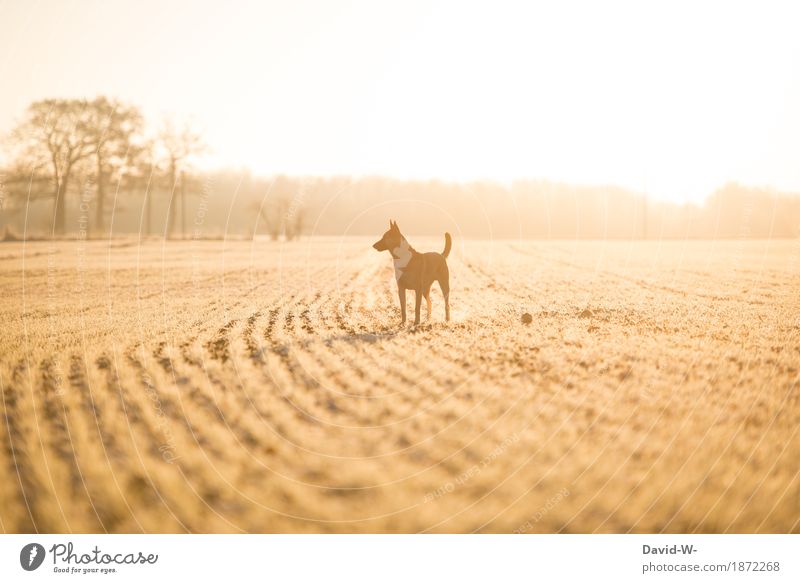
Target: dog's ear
[391, 224]
[394, 226]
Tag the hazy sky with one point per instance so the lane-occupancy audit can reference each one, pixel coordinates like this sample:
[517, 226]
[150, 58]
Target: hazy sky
[672, 98]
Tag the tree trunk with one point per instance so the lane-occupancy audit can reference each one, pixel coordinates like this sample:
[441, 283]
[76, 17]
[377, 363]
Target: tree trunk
[60, 204]
[171, 214]
[101, 197]
[170, 208]
[149, 211]
[183, 205]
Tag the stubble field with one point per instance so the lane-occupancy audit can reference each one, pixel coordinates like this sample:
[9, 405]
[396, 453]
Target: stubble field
[262, 387]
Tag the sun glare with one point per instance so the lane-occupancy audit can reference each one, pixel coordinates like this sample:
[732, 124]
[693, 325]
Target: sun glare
[673, 100]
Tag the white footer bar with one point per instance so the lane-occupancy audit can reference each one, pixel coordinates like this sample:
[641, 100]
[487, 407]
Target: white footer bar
[415, 558]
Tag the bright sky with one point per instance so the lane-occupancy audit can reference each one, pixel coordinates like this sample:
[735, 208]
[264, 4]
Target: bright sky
[667, 97]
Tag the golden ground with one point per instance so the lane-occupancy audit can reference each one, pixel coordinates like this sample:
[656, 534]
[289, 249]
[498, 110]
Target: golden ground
[235, 386]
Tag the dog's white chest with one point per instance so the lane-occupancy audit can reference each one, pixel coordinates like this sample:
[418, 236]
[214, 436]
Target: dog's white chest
[401, 256]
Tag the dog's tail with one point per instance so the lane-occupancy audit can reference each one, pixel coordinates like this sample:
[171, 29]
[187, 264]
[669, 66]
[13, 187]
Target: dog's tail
[448, 243]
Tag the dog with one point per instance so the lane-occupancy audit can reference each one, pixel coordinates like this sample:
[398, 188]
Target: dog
[417, 271]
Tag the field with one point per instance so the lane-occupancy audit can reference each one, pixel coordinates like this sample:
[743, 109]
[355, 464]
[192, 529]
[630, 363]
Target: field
[212, 386]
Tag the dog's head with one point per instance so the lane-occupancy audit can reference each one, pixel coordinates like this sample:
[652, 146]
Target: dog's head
[391, 238]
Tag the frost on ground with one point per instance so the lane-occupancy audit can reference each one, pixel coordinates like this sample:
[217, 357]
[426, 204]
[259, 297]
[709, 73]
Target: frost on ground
[259, 387]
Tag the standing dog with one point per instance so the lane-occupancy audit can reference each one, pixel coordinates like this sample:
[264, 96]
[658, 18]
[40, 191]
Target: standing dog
[417, 271]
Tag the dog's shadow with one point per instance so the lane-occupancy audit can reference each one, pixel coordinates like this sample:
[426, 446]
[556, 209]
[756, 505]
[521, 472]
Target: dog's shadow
[355, 338]
[360, 337]
[384, 333]
[283, 348]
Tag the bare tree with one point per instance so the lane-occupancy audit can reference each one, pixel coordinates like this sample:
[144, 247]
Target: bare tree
[144, 175]
[54, 134]
[283, 212]
[295, 221]
[58, 137]
[114, 129]
[179, 146]
[20, 184]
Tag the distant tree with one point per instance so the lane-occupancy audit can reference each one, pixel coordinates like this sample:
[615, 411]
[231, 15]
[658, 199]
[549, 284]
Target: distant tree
[60, 137]
[114, 129]
[18, 185]
[21, 182]
[295, 222]
[55, 135]
[295, 217]
[283, 212]
[143, 175]
[270, 215]
[179, 145]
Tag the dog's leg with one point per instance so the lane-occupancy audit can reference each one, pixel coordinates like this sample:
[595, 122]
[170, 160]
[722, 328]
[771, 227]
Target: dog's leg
[427, 295]
[401, 292]
[444, 283]
[417, 306]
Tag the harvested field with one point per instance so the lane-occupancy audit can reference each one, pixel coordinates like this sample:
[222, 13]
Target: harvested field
[263, 387]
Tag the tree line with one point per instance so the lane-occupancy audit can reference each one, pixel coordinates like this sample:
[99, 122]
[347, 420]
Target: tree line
[66, 146]
[69, 156]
